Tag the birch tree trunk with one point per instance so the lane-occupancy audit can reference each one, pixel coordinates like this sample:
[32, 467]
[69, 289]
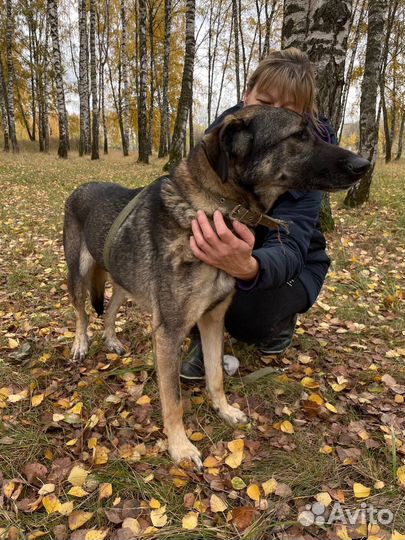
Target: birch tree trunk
[179, 132]
[321, 29]
[84, 97]
[401, 136]
[235, 20]
[95, 143]
[125, 87]
[58, 74]
[3, 110]
[143, 143]
[164, 117]
[10, 75]
[360, 192]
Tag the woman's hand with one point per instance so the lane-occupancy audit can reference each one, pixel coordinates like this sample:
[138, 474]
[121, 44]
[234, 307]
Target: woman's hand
[222, 248]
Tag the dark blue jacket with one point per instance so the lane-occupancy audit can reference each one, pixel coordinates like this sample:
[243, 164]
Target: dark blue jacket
[299, 254]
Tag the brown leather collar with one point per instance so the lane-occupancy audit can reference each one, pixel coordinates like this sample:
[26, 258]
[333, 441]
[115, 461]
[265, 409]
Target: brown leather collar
[235, 210]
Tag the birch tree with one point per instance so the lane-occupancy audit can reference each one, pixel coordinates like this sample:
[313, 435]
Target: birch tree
[179, 133]
[125, 87]
[360, 192]
[10, 75]
[58, 75]
[3, 110]
[164, 115]
[143, 144]
[324, 39]
[84, 96]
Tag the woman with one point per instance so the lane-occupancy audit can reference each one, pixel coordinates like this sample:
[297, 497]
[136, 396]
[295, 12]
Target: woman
[275, 279]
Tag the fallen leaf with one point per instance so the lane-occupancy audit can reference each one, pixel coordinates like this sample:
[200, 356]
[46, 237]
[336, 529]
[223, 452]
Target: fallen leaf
[360, 491]
[101, 455]
[324, 498]
[154, 503]
[65, 509]
[244, 516]
[132, 524]
[190, 521]
[269, 486]
[236, 445]
[234, 459]
[78, 518]
[37, 400]
[77, 476]
[77, 491]
[253, 491]
[105, 491]
[46, 489]
[35, 473]
[286, 427]
[96, 534]
[159, 517]
[143, 400]
[238, 483]
[217, 504]
[51, 503]
[401, 475]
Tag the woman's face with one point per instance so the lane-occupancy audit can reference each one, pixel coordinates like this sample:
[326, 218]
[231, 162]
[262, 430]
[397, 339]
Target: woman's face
[273, 98]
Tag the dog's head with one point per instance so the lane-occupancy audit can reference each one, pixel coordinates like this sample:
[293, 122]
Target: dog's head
[260, 148]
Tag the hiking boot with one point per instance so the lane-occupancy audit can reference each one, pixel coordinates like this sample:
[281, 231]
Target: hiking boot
[192, 369]
[281, 342]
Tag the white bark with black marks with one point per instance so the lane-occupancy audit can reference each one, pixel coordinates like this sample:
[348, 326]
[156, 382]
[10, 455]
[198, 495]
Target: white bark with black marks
[84, 96]
[143, 143]
[10, 75]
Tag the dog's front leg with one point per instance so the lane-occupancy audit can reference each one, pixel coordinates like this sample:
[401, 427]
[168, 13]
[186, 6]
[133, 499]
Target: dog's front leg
[211, 326]
[167, 348]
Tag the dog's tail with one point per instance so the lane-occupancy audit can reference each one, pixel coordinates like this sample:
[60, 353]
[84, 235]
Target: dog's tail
[97, 289]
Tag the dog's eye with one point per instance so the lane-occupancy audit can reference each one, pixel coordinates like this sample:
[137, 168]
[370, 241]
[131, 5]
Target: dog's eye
[301, 135]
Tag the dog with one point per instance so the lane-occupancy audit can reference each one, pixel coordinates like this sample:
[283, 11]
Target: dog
[240, 168]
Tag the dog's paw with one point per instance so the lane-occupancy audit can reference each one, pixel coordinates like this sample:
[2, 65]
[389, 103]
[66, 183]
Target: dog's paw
[233, 416]
[113, 344]
[184, 452]
[80, 347]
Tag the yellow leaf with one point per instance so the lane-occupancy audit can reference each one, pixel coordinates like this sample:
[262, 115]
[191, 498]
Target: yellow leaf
[287, 427]
[399, 399]
[401, 475]
[308, 382]
[132, 524]
[101, 455]
[105, 491]
[36, 534]
[96, 534]
[324, 498]
[236, 445]
[143, 400]
[378, 484]
[360, 491]
[234, 459]
[12, 343]
[77, 491]
[8, 488]
[66, 508]
[159, 517]
[37, 400]
[51, 503]
[76, 409]
[46, 489]
[57, 417]
[77, 476]
[92, 443]
[71, 442]
[253, 491]
[269, 486]
[197, 436]
[210, 461]
[396, 535]
[326, 449]
[316, 398]
[338, 387]
[330, 407]
[112, 356]
[217, 504]
[79, 518]
[154, 503]
[190, 521]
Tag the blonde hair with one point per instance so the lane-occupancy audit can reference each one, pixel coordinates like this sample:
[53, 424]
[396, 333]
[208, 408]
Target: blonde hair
[291, 71]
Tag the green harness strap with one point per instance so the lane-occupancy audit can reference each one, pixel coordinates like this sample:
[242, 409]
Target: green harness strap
[117, 223]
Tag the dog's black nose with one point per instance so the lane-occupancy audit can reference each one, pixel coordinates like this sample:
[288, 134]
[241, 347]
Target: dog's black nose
[357, 166]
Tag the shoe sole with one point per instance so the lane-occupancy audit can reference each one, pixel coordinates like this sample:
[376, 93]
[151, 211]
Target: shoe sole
[187, 378]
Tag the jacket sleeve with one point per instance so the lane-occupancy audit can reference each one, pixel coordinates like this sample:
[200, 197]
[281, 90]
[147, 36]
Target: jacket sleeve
[282, 255]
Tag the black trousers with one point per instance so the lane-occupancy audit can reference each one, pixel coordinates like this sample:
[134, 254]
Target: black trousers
[255, 317]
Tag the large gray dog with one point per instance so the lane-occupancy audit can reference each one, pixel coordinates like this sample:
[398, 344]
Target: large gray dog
[240, 168]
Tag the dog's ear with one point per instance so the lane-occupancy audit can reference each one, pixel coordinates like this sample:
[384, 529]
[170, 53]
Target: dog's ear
[231, 141]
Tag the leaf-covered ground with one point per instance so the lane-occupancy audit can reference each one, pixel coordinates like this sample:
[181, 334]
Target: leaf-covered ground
[82, 452]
